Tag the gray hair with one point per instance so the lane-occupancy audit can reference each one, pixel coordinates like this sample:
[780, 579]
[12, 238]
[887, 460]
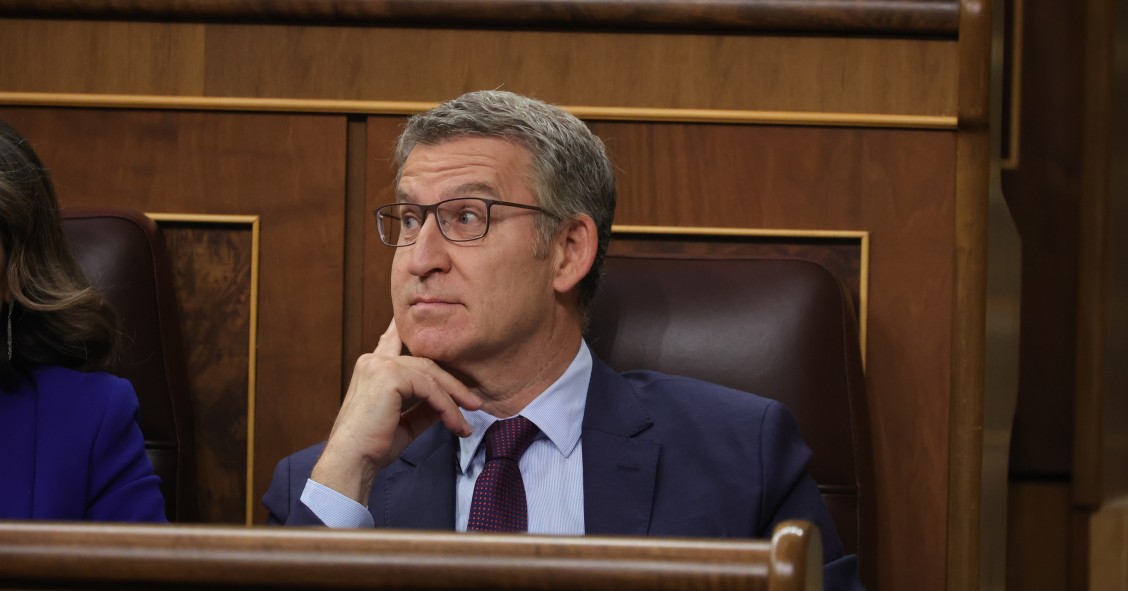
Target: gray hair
[572, 174]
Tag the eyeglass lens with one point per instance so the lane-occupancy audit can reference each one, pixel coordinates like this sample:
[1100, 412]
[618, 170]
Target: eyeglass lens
[459, 220]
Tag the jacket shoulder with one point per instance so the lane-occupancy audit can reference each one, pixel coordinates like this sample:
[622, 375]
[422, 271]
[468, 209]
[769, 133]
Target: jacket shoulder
[684, 394]
[59, 385]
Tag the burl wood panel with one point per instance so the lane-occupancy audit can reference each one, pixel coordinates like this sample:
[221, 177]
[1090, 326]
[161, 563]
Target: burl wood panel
[898, 185]
[211, 275]
[573, 67]
[288, 169]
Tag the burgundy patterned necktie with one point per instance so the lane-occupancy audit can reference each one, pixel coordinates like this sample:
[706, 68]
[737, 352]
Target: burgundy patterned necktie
[499, 493]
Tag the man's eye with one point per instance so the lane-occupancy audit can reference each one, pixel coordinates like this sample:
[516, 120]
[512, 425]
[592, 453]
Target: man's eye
[410, 221]
[466, 217]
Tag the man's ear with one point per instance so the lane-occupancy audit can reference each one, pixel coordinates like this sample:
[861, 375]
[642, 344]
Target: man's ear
[574, 252]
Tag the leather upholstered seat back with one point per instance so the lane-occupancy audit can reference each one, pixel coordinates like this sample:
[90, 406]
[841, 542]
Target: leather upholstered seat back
[122, 254]
[785, 329]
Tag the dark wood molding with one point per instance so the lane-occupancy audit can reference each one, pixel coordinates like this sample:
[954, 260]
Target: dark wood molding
[883, 17]
[969, 324]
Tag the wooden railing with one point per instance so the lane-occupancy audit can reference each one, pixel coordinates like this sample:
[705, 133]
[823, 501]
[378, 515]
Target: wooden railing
[40, 556]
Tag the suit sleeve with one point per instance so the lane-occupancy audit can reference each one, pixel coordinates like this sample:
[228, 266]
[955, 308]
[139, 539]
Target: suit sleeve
[791, 493]
[283, 503]
[277, 497]
[283, 499]
[122, 485]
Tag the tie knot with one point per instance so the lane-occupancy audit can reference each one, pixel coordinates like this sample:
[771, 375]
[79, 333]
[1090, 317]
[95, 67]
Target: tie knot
[510, 438]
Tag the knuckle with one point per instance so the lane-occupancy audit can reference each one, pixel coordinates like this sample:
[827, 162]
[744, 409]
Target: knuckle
[366, 361]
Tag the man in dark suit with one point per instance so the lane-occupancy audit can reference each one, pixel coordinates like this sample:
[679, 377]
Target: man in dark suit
[500, 419]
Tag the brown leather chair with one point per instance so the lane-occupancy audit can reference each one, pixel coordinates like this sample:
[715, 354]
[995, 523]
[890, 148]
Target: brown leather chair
[122, 254]
[785, 329]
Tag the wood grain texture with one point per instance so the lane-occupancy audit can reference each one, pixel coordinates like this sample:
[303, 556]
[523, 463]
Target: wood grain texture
[382, 132]
[356, 219]
[287, 169]
[588, 68]
[904, 17]
[211, 270]
[77, 56]
[973, 157]
[136, 556]
[890, 76]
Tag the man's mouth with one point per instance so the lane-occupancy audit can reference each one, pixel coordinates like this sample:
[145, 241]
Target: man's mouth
[430, 303]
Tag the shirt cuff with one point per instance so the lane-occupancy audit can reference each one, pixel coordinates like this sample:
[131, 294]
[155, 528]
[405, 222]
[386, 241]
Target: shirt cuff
[335, 509]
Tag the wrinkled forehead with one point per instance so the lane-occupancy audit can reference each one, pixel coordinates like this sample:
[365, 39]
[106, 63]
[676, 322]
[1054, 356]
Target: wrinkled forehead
[489, 167]
[471, 189]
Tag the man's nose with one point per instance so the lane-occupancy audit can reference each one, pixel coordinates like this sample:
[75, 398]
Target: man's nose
[430, 252]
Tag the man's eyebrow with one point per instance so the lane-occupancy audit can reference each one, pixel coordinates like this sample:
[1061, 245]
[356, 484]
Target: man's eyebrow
[463, 190]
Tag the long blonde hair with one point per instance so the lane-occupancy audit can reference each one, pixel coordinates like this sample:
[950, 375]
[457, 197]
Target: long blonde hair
[56, 317]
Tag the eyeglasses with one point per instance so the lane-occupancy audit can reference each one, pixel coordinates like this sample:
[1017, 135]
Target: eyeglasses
[460, 220]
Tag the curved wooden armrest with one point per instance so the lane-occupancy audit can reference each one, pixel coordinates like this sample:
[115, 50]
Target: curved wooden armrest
[796, 557]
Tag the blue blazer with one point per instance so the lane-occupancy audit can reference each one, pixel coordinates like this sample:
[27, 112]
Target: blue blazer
[663, 456]
[71, 449]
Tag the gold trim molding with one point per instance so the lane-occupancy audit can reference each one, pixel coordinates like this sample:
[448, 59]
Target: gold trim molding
[747, 117]
[861, 236]
[253, 222]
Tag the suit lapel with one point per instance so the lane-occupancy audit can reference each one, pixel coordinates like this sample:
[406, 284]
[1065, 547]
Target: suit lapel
[417, 492]
[620, 466]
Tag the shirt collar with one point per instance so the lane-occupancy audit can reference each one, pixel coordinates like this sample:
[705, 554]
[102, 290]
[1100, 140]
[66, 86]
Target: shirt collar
[558, 411]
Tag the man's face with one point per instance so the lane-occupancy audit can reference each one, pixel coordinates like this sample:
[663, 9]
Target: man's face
[471, 301]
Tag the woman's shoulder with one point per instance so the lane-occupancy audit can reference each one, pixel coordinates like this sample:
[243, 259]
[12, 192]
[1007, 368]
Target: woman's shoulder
[53, 374]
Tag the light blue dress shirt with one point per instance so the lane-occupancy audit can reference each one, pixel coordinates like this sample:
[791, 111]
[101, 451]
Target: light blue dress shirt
[552, 467]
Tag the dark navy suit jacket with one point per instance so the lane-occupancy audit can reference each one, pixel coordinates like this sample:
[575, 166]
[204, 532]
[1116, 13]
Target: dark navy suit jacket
[663, 456]
[70, 449]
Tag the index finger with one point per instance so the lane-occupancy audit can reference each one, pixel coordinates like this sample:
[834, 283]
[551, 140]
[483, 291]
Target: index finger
[390, 344]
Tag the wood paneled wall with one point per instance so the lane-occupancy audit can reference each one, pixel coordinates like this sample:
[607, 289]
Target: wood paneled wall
[598, 68]
[746, 126]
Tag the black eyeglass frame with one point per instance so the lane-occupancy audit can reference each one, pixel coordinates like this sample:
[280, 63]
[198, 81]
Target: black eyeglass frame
[433, 209]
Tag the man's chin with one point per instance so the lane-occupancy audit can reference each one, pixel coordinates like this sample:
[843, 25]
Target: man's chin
[432, 343]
